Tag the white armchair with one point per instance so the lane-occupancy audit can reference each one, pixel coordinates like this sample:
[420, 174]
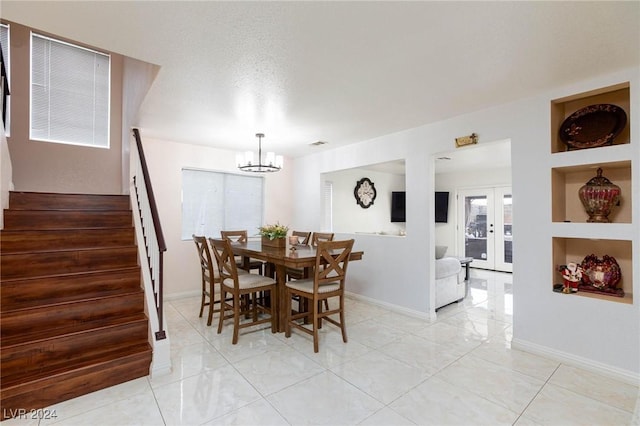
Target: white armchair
[450, 285]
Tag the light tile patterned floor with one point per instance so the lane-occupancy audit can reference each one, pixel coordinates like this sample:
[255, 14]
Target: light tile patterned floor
[395, 370]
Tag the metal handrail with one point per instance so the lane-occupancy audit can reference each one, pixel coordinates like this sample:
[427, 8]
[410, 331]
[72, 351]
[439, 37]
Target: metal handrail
[153, 237]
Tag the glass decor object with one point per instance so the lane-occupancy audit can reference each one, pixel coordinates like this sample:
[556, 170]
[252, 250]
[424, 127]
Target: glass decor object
[601, 275]
[599, 196]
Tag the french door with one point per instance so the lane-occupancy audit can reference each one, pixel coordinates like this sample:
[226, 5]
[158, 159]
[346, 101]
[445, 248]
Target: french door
[484, 227]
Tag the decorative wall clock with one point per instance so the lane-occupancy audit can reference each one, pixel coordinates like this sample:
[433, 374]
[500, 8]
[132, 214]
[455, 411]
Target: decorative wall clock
[365, 193]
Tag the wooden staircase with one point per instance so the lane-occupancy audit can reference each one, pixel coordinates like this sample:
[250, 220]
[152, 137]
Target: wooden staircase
[72, 315]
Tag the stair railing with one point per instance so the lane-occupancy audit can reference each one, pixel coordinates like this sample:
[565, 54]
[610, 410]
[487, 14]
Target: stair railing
[151, 229]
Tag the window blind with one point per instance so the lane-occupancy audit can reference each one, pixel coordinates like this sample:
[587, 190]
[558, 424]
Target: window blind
[215, 201]
[70, 87]
[327, 206]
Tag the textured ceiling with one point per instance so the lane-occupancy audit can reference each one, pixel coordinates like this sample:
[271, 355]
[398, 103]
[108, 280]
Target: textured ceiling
[340, 72]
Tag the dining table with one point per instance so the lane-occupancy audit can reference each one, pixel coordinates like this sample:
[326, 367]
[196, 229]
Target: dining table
[278, 260]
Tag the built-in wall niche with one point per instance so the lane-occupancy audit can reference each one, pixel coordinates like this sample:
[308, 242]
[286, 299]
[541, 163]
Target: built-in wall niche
[564, 107]
[567, 181]
[566, 250]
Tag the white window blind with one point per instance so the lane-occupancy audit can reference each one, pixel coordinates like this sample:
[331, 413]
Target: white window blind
[70, 88]
[4, 41]
[327, 205]
[216, 201]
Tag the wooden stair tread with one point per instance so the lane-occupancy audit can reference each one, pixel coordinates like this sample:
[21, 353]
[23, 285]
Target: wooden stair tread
[25, 240]
[37, 264]
[70, 348]
[94, 271]
[63, 219]
[77, 328]
[65, 250]
[21, 200]
[77, 312]
[63, 300]
[25, 311]
[9, 383]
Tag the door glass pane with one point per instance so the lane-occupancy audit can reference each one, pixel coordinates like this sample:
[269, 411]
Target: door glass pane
[475, 216]
[507, 220]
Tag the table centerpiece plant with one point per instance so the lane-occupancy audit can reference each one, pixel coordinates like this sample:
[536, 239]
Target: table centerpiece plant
[274, 235]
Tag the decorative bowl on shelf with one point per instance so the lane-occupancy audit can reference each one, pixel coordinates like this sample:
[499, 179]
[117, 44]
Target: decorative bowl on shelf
[593, 126]
[599, 196]
[601, 275]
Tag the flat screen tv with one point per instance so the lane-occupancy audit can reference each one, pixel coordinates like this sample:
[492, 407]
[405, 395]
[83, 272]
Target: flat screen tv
[442, 206]
[398, 203]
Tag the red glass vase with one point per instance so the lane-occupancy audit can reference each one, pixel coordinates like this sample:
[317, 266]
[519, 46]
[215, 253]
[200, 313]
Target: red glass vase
[599, 196]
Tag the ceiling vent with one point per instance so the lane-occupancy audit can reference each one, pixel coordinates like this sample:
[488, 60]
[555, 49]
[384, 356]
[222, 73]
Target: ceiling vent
[318, 143]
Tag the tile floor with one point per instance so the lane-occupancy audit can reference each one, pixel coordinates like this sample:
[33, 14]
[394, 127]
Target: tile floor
[395, 370]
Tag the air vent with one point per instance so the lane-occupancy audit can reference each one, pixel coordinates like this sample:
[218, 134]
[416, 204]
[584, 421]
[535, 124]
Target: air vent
[444, 158]
[318, 143]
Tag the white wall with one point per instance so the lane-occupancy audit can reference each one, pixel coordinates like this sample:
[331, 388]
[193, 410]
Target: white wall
[445, 233]
[601, 333]
[166, 161]
[348, 216]
[137, 78]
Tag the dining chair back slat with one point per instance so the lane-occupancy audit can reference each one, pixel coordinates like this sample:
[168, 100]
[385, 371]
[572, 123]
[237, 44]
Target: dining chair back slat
[235, 236]
[303, 237]
[321, 236]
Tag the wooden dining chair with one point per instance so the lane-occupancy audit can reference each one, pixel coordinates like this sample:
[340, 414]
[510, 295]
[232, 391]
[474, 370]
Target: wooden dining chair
[297, 273]
[241, 237]
[241, 286]
[303, 237]
[210, 278]
[332, 258]
[316, 237]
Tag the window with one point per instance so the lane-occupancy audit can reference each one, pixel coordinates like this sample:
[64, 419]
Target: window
[4, 41]
[215, 201]
[70, 88]
[327, 201]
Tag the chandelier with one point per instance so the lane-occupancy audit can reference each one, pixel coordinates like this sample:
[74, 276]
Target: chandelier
[246, 163]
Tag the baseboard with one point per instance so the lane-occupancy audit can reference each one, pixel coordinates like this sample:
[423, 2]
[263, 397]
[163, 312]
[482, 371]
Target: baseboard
[391, 307]
[626, 376]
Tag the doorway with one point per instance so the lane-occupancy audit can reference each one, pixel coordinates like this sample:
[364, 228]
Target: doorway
[484, 230]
